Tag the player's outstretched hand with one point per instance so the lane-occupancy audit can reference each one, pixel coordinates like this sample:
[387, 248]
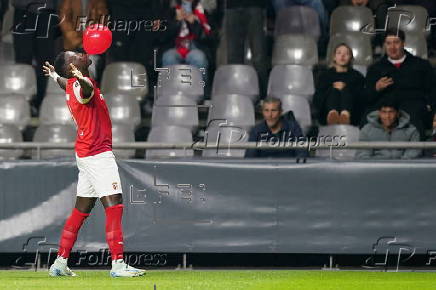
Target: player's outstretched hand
[48, 69]
[75, 72]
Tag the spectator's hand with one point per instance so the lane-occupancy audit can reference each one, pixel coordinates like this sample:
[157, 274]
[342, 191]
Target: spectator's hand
[339, 85]
[190, 18]
[383, 83]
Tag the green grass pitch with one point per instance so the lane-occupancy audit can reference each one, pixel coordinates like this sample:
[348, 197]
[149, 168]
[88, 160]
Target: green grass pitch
[228, 280]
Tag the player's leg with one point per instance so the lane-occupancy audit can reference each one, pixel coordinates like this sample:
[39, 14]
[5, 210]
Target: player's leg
[106, 182]
[69, 234]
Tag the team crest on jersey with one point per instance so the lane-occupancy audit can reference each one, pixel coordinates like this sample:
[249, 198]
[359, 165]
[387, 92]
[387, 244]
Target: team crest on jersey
[115, 185]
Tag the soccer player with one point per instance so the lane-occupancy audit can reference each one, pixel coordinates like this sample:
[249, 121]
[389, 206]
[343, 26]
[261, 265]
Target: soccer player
[98, 171]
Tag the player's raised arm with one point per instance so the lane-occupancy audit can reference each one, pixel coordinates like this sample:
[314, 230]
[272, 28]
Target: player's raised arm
[85, 83]
[49, 71]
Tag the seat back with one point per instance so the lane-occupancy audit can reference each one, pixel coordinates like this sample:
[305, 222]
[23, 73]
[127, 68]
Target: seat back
[341, 134]
[10, 133]
[237, 110]
[183, 79]
[54, 134]
[298, 19]
[236, 79]
[299, 105]
[295, 49]
[350, 18]
[169, 135]
[15, 110]
[291, 79]
[221, 136]
[54, 110]
[123, 133]
[18, 79]
[124, 109]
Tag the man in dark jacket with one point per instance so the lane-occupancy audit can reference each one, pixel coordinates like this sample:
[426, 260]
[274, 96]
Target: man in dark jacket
[409, 80]
[275, 129]
[388, 124]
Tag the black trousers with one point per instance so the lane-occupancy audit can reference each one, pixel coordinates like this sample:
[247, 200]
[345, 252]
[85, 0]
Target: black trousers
[34, 42]
[338, 100]
[243, 24]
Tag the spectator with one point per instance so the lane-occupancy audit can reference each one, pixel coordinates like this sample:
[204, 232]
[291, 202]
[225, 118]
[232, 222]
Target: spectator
[75, 17]
[244, 20]
[136, 44]
[275, 128]
[388, 124]
[190, 22]
[339, 91]
[407, 79]
[34, 33]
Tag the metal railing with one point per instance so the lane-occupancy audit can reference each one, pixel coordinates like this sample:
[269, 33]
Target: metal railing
[247, 145]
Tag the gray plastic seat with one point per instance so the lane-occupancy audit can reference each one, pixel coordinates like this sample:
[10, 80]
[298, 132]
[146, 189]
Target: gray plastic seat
[350, 133]
[221, 136]
[350, 18]
[236, 79]
[301, 108]
[124, 109]
[55, 134]
[14, 109]
[127, 78]
[298, 19]
[181, 79]
[363, 69]
[10, 134]
[7, 54]
[412, 19]
[169, 135]
[237, 110]
[53, 88]
[416, 44]
[54, 110]
[175, 110]
[18, 79]
[291, 79]
[360, 44]
[295, 49]
[123, 133]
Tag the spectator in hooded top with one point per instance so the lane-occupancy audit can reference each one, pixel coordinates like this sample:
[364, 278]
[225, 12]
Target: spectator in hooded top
[388, 124]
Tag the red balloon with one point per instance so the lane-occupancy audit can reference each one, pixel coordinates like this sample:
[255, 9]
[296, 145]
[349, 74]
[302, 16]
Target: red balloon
[97, 38]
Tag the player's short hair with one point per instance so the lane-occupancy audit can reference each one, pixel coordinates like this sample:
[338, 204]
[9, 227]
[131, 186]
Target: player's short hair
[271, 100]
[60, 65]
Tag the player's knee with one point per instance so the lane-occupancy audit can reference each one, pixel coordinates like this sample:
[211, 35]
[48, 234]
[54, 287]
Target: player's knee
[111, 200]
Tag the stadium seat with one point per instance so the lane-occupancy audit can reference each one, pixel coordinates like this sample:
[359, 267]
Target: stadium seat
[300, 106]
[412, 19]
[361, 68]
[54, 110]
[10, 134]
[7, 55]
[416, 44]
[350, 133]
[291, 79]
[181, 80]
[169, 135]
[123, 133]
[297, 20]
[236, 79]
[175, 110]
[124, 109]
[351, 19]
[54, 134]
[360, 44]
[221, 136]
[127, 78]
[237, 110]
[295, 49]
[53, 88]
[15, 110]
[18, 79]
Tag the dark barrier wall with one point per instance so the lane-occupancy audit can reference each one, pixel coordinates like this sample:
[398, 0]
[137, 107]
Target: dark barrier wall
[231, 206]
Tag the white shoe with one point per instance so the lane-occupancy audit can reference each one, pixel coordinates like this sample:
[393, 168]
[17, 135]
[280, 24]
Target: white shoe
[60, 268]
[121, 269]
